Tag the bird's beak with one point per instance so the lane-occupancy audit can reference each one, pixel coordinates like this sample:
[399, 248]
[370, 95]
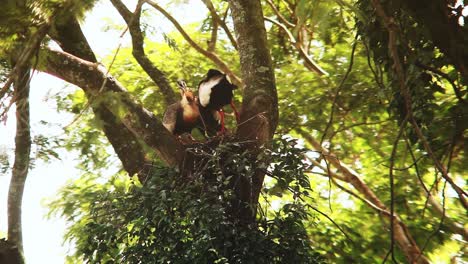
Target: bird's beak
[182, 85]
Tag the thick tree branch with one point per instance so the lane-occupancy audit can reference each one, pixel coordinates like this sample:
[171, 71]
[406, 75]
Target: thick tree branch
[22, 158]
[133, 23]
[210, 55]
[402, 236]
[90, 76]
[72, 40]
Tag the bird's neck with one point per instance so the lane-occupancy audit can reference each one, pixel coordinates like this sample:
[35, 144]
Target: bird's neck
[190, 110]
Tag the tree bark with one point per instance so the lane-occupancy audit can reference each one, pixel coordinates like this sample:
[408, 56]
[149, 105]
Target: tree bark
[136, 119]
[259, 116]
[9, 253]
[22, 152]
[130, 152]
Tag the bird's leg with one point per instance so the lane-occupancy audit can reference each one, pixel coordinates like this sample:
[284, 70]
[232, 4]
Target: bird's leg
[221, 115]
[235, 112]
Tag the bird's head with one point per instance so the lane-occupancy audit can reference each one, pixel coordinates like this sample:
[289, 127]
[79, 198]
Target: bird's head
[186, 92]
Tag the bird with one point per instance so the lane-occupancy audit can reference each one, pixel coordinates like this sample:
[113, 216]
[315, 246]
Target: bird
[181, 117]
[214, 92]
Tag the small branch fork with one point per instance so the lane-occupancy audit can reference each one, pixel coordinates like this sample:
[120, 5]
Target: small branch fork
[220, 22]
[297, 41]
[133, 24]
[209, 54]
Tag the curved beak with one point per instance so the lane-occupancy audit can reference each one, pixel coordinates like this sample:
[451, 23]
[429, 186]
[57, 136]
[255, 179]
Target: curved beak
[182, 85]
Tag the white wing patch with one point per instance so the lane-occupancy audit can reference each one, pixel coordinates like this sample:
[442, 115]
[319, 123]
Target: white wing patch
[204, 91]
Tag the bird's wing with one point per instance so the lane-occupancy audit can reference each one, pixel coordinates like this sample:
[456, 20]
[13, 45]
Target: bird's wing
[170, 117]
[204, 90]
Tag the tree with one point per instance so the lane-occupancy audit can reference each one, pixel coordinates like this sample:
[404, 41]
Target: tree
[382, 103]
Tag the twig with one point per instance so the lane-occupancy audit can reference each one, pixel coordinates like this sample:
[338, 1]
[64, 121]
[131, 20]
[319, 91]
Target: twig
[210, 55]
[456, 89]
[374, 71]
[338, 89]
[344, 128]
[439, 227]
[279, 15]
[398, 67]
[392, 192]
[252, 117]
[333, 222]
[309, 63]
[221, 22]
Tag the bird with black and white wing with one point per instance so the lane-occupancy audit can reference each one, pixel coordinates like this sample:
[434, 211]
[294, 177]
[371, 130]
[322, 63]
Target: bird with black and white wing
[214, 92]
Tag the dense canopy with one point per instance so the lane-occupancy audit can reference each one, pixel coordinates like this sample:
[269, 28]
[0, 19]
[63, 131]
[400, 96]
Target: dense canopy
[353, 116]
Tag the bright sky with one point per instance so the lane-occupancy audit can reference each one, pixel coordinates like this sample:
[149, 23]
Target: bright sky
[43, 237]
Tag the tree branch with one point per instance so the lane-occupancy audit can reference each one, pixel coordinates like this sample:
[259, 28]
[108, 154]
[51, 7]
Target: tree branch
[22, 158]
[214, 35]
[90, 76]
[30, 47]
[279, 15]
[309, 63]
[72, 40]
[210, 55]
[133, 23]
[221, 22]
[402, 236]
[398, 68]
[259, 116]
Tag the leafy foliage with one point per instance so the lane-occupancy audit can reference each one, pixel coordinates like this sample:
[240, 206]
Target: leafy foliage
[187, 220]
[438, 99]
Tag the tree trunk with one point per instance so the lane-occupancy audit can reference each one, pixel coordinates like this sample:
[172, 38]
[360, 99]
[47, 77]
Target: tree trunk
[22, 152]
[9, 253]
[259, 115]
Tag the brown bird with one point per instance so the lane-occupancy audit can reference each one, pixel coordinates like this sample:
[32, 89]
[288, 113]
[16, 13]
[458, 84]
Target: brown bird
[182, 117]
